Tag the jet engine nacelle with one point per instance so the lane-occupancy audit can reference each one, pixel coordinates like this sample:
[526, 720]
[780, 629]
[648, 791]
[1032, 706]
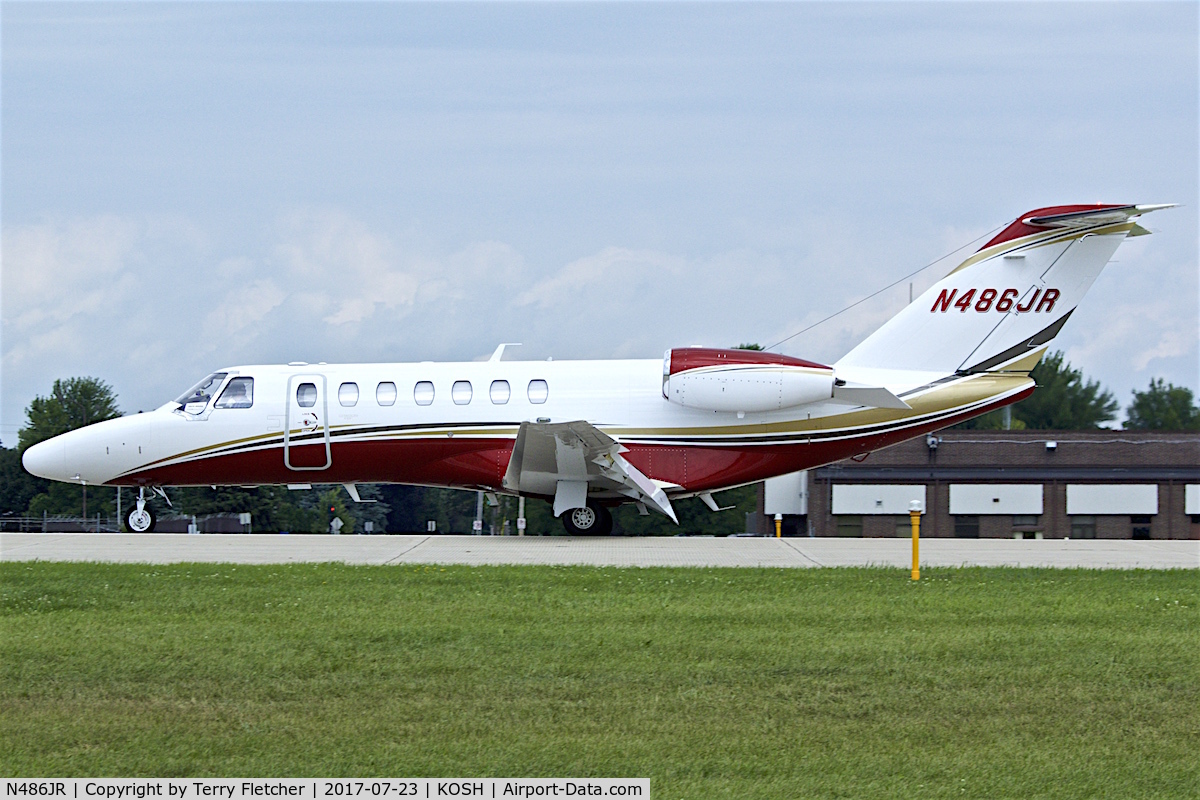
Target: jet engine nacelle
[742, 380]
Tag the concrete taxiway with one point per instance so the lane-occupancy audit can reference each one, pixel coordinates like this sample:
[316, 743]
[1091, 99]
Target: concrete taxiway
[689, 551]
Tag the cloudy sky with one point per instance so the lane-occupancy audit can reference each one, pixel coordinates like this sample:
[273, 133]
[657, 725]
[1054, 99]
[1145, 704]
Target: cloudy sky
[189, 186]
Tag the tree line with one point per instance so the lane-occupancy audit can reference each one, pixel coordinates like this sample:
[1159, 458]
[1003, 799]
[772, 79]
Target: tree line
[1065, 400]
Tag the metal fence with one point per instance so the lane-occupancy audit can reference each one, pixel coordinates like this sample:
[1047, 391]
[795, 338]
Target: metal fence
[49, 523]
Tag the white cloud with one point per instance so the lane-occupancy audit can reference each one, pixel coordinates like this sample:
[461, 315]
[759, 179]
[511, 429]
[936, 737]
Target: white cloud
[340, 264]
[60, 277]
[241, 308]
[601, 280]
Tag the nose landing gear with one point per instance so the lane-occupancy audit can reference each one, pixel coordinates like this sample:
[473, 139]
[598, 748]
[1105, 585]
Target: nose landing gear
[140, 519]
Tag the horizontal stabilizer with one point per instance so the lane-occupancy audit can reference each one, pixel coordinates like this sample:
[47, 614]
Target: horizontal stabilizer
[1080, 219]
[870, 396]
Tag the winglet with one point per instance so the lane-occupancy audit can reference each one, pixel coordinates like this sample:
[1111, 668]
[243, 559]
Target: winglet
[711, 503]
[352, 490]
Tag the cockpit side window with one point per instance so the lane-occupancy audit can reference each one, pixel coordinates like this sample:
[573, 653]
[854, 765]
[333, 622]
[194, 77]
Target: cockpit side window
[238, 394]
[197, 398]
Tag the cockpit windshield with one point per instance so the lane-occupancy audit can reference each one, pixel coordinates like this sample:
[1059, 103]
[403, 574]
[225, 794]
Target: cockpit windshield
[198, 397]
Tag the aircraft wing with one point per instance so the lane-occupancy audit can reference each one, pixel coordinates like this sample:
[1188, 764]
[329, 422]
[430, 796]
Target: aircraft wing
[566, 459]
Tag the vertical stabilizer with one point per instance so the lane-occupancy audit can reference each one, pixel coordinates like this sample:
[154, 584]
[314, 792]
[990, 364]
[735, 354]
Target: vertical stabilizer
[1007, 300]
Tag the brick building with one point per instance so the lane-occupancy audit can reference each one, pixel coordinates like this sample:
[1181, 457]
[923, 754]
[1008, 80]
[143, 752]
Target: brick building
[1003, 484]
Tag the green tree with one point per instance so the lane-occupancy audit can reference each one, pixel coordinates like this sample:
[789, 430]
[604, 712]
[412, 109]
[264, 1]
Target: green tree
[17, 487]
[748, 346]
[271, 508]
[1163, 407]
[1064, 400]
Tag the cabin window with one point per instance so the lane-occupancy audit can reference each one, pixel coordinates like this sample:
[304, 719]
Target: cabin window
[238, 394]
[423, 393]
[499, 392]
[196, 399]
[385, 393]
[306, 395]
[348, 394]
[460, 393]
[538, 391]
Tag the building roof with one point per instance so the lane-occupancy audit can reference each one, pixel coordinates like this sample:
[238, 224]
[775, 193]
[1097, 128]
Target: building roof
[1000, 456]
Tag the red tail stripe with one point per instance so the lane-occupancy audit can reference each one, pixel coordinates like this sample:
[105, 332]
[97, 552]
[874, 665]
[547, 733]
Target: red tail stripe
[1018, 228]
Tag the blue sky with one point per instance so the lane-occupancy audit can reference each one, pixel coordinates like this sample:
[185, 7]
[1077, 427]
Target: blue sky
[187, 186]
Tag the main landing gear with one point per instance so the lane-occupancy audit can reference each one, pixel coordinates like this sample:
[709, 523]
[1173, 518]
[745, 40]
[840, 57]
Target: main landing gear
[140, 519]
[594, 520]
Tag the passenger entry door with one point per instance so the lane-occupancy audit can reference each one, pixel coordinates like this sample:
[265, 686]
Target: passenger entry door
[306, 424]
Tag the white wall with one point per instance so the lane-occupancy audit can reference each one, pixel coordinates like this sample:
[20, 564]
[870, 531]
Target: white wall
[1191, 499]
[876, 499]
[996, 498]
[786, 494]
[1112, 498]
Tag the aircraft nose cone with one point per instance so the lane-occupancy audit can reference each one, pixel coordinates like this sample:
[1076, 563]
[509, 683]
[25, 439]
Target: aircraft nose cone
[47, 459]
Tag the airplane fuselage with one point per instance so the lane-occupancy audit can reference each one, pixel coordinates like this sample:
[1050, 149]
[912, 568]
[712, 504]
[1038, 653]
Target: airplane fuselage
[454, 424]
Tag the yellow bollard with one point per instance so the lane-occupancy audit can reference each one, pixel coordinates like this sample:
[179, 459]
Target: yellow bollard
[914, 516]
[779, 526]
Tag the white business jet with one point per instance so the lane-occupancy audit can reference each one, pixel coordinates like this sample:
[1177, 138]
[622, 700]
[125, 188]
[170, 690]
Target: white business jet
[589, 435]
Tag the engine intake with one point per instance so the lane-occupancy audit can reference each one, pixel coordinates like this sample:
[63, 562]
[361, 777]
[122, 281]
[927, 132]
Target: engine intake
[742, 380]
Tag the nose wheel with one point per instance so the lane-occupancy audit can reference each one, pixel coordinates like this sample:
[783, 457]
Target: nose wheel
[592, 520]
[140, 519]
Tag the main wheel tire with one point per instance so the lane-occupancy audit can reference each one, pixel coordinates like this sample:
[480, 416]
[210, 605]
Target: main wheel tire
[592, 520]
[140, 521]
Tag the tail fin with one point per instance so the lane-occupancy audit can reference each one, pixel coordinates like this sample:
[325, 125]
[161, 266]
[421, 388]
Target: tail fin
[1007, 300]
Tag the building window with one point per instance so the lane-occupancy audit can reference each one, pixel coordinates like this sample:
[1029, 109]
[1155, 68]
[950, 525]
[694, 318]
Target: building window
[903, 527]
[1140, 524]
[499, 392]
[1025, 520]
[539, 390]
[461, 392]
[966, 526]
[423, 393]
[1083, 527]
[849, 525]
[385, 393]
[306, 395]
[348, 394]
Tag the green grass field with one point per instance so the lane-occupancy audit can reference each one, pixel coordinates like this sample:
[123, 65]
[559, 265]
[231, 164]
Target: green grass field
[712, 682]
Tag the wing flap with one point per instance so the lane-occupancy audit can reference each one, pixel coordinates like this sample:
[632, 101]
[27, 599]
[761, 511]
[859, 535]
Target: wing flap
[568, 459]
